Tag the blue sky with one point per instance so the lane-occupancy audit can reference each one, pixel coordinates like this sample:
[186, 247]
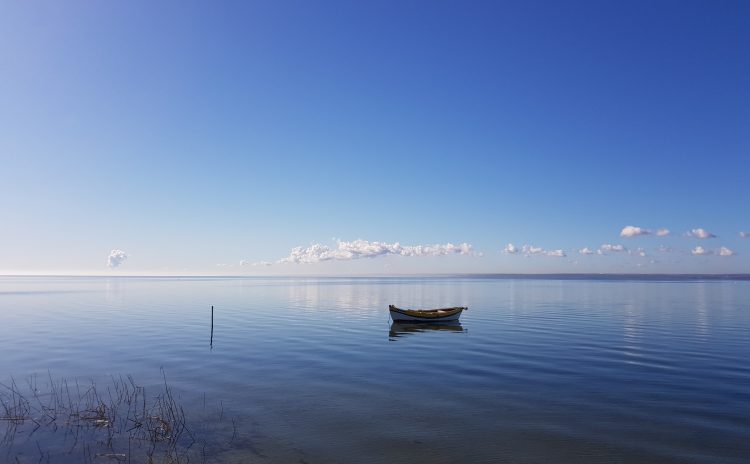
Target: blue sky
[214, 138]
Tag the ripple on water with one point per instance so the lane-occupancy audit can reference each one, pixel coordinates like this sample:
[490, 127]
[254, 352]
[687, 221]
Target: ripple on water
[539, 371]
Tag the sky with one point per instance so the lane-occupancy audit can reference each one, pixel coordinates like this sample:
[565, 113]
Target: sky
[374, 138]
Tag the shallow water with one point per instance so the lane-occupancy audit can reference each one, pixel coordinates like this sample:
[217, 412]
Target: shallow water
[310, 370]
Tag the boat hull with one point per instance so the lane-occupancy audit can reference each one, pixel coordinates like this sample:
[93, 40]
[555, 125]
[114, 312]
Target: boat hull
[415, 315]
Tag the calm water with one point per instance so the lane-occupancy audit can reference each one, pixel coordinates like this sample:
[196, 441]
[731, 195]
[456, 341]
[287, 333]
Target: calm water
[311, 371]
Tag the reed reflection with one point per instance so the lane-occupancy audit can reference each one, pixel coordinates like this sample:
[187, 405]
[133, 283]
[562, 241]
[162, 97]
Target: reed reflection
[402, 329]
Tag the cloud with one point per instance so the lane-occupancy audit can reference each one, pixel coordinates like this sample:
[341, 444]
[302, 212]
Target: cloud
[608, 248]
[699, 233]
[511, 249]
[358, 249]
[664, 249]
[724, 251]
[115, 258]
[532, 250]
[586, 251]
[632, 231]
[245, 262]
[529, 250]
[700, 251]
[744, 234]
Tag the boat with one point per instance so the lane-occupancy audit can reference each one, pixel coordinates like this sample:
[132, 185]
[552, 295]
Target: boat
[426, 315]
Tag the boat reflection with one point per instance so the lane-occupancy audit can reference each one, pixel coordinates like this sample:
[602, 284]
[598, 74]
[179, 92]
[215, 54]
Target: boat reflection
[401, 329]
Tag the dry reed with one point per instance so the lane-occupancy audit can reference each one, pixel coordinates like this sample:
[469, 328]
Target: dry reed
[119, 422]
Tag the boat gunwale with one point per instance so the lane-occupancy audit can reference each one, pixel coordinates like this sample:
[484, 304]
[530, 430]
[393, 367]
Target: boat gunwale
[429, 313]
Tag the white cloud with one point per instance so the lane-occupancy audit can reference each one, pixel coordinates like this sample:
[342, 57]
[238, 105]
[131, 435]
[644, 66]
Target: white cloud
[586, 251]
[532, 250]
[700, 251]
[115, 258]
[245, 262]
[744, 234]
[607, 248]
[357, 249]
[510, 248]
[699, 233]
[529, 250]
[632, 231]
[724, 251]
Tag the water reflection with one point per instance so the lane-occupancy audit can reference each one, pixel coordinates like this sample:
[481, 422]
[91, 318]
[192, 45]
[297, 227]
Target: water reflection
[701, 310]
[113, 292]
[401, 329]
[307, 296]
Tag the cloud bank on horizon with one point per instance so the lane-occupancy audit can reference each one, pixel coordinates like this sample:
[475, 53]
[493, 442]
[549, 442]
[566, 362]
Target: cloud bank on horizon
[363, 249]
[629, 232]
[116, 258]
[360, 249]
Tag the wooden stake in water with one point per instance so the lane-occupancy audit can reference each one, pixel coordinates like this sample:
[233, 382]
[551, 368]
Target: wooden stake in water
[212, 327]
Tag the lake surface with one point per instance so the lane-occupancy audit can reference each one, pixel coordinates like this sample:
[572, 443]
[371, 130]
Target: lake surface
[311, 370]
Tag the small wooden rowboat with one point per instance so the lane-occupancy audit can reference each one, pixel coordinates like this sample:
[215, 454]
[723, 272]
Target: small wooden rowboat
[426, 315]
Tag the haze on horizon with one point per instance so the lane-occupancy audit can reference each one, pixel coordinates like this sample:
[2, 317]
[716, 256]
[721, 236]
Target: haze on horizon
[339, 138]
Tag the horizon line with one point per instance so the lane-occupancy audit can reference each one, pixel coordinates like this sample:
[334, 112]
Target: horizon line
[558, 275]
